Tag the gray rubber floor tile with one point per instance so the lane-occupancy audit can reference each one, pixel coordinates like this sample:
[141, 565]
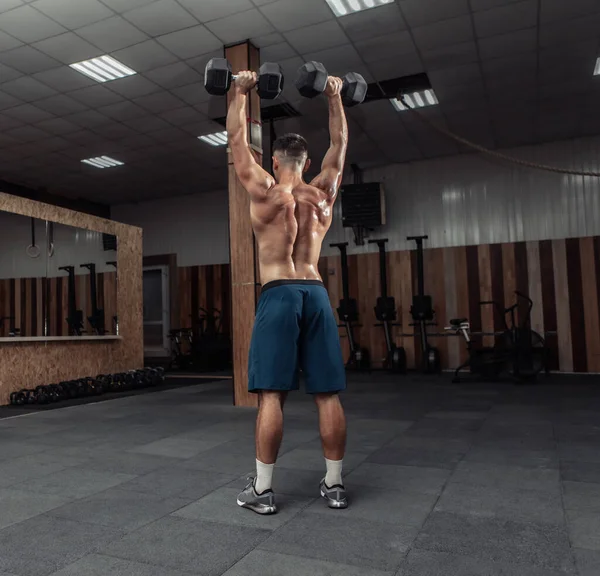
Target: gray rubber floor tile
[377, 505]
[584, 528]
[313, 459]
[120, 509]
[580, 471]
[176, 447]
[203, 548]
[221, 506]
[415, 457]
[426, 563]
[26, 468]
[75, 483]
[514, 457]
[338, 538]
[44, 544]
[409, 478]
[98, 565]
[577, 452]
[545, 546]
[496, 475]
[15, 449]
[502, 502]
[582, 496]
[273, 564]
[223, 459]
[18, 505]
[177, 481]
[126, 462]
[588, 561]
[457, 415]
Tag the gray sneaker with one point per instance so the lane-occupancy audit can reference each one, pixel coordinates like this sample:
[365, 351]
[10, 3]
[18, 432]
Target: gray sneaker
[260, 503]
[335, 496]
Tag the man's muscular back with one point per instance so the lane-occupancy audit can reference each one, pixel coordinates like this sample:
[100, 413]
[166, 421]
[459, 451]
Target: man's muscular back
[290, 224]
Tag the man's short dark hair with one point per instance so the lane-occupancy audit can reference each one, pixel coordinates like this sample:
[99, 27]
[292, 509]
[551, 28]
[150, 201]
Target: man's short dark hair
[291, 146]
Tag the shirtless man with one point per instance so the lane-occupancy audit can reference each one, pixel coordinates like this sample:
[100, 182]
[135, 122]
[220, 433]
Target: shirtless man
[294, 327]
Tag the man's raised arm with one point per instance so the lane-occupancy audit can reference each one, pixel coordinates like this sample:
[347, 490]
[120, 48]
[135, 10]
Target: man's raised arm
[252, 176]
[332, 168]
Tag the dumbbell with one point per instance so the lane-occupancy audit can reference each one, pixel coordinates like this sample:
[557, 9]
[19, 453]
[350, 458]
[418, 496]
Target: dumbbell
[218, 77]
[312, 81]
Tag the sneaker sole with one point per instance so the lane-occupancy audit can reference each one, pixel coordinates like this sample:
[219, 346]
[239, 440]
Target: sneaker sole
[261, 509]
[336, 504]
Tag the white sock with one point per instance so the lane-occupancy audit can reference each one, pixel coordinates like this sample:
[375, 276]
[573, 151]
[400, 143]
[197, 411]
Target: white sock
[334, 473]
[264, 477]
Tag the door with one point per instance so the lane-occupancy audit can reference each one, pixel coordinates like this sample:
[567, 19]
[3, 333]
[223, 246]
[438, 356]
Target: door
[156, 311]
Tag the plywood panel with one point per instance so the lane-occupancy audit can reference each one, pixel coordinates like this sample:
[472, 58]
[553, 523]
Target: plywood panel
[534, 277]
[590, 304]
[485, 294]
[563, 318]
[462, 292]
[454, 342]
[576, 306]
[509, 274]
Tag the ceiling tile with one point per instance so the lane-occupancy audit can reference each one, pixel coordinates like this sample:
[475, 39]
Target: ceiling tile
[7, 73]
[192, 93]
[404, 65]
[560, 10]
[174, 75]
[96, 96]
[8, 42]
[140, 141]
[26, 133]
[506, 18]
[318, 37]
[375, 22]
[384, 47]
[339, 60]
[88, 119]
[28, 60]
[444, 33]
[419, 13]
[290, 14]
[172, 134]
[29, 25]
[161, 17]
[180, 116]
[112, 34]
[147, 124]
[27, 89]
[268, 40]
[191, 42]
[240, 26]
[28, 113]
[64, 79]
[159, 102]
[577, 71]
[504, 68]
[462, 91]
[6, 122]
[478, 5]
[451, 56]
[115, 131]
[145, 56]
[132, 86]
[6, 5]
[60, 105]
[125, 5]
[70, 16]
[466, 74]
[199, 63]
[68, 48]
[207, 10]
[58, 126]
[508, 44]
[277, 52]
[123, 111]
[571, 31]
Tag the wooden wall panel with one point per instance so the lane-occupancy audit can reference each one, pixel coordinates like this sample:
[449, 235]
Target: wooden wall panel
[485, 294]
[563, 319]
[29, 364]
[591, 312]
[454, 342]
[534, 286]
[576, 305]
[462, 292]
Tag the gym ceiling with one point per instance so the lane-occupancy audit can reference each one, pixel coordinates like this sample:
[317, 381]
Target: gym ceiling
[505, 72]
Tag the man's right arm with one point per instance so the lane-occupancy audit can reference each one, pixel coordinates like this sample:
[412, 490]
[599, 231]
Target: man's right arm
[332, 168]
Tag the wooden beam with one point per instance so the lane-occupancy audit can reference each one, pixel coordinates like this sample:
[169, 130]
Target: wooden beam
[244, 265]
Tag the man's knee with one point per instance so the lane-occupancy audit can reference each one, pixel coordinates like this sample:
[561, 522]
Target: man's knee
[272, 397]
[327, 398]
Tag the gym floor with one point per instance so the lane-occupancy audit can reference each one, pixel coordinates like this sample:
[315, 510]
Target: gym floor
[466, 480]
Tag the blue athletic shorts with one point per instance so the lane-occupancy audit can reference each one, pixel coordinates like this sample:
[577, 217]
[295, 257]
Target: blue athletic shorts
[295, 329]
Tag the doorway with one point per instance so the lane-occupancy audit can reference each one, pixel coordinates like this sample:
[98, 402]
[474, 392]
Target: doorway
[156, 312]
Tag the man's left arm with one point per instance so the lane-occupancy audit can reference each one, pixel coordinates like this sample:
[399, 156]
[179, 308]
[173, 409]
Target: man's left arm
[253, 177]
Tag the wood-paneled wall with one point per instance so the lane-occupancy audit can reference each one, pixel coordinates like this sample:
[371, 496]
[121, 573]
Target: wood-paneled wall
[28, 364]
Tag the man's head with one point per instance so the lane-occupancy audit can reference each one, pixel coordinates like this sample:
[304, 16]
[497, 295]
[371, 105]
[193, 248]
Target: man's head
[290, 154]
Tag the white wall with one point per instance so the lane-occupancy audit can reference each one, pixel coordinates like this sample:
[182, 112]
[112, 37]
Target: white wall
[457, 201]
[194, 227]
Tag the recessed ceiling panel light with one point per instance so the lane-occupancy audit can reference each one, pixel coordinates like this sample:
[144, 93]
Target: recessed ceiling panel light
[103, 69]
[420, 99]
[102, 162]
[597, 70]
[217, 139]
[345, 7]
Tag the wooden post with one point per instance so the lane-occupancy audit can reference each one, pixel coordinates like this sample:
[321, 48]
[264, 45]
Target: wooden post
[244, 263]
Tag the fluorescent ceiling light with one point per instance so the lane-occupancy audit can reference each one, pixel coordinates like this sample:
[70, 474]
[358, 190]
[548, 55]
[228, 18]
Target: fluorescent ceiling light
[420, 99]
[217, 139]
[102, 162]
[597, 70]
[103, 69]
[344, 7]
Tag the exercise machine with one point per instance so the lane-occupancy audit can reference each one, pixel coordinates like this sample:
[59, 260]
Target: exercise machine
[423, 314]
[348, 314]
[518, 351]
[75, 318]
[96, 320]
[386, 313]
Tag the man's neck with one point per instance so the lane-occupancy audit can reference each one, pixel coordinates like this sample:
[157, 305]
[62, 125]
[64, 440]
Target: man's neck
[290, 178]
